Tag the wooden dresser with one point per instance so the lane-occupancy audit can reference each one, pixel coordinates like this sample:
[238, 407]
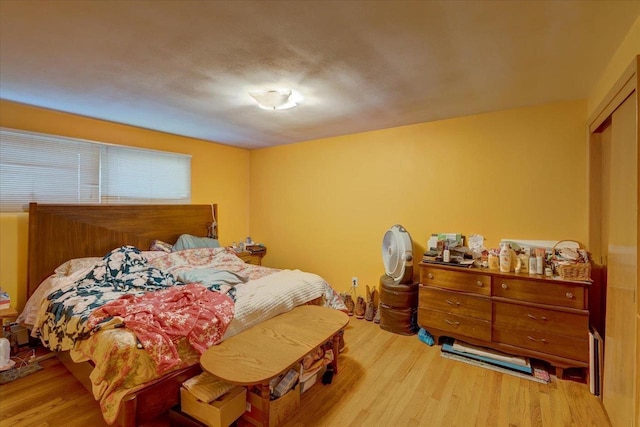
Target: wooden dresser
[527, 315]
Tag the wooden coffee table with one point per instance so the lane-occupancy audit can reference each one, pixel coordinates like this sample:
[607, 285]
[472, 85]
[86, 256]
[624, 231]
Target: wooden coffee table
[266, 350]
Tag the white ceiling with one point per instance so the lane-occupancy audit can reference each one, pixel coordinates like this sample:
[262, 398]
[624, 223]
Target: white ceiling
[186, 67]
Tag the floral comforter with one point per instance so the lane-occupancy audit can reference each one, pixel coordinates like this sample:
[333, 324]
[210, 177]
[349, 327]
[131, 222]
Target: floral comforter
[122, 365]
[158, 318]
[123, 271]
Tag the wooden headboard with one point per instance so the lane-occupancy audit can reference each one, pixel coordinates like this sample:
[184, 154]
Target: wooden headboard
[58, 233]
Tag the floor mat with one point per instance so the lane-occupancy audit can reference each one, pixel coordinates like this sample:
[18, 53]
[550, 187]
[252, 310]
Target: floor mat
[15, 373]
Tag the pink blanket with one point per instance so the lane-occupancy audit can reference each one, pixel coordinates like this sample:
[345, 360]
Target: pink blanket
[157, 318]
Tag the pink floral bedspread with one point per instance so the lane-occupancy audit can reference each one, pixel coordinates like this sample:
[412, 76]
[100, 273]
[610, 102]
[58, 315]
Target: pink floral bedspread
[158, 318]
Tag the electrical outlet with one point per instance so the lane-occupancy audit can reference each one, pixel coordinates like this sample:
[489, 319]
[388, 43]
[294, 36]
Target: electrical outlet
[354, 281]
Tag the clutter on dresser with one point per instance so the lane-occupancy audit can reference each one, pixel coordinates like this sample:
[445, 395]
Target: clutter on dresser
[252, 248]
[571, 262]
[449, 249]
[256, 249]
[564, 259]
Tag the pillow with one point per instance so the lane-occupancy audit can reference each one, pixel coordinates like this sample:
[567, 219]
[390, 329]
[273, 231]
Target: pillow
[159, 245]
[187, 241]
[149, 255]
[76, 264]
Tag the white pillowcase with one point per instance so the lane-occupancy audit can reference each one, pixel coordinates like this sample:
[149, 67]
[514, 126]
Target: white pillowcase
[73, 265]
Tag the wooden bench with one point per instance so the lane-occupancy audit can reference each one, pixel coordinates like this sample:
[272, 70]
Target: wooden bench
[269, 349]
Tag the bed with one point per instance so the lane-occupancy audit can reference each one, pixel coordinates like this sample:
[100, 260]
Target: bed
[68, 243]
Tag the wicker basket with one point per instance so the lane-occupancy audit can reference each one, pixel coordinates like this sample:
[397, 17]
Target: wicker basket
[572, 271]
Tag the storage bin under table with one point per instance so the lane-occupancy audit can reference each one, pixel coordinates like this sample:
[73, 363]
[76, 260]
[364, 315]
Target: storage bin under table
[264, 351]
[221, 412]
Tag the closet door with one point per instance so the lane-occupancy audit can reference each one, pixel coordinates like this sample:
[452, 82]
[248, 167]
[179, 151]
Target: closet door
[619, 382]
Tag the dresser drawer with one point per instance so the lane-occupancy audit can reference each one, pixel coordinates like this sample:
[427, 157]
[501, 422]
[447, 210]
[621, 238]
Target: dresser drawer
[544, 342]
[464, 281]
[537, 291]
[540, 319]
[455, 302]
[455, 324]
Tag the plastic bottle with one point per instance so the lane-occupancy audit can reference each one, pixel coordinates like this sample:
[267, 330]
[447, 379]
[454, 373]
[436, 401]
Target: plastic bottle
[524, 258]
[539, 261]
[505, 257]
[446, 255]
[532, 265]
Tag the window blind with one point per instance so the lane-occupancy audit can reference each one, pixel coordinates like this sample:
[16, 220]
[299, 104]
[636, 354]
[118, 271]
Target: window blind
[51, 169]
[132, 176]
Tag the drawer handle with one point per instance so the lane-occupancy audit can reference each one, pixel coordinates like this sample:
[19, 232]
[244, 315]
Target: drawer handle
[536, 339]
[452, 323]
[505, 286]
[457, 303]
[535, 318]
[569, 295]
[479, 283]
[430, 275]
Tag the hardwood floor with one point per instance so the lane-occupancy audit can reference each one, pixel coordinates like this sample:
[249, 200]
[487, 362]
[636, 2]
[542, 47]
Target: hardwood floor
[384, 380]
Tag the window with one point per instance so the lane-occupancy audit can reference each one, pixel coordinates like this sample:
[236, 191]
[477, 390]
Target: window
[53, 169]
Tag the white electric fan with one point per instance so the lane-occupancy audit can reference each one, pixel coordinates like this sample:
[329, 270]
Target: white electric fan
[397, 254]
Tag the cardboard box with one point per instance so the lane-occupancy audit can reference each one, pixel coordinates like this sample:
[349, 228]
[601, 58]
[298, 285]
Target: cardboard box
[279, 409]
[219, 413]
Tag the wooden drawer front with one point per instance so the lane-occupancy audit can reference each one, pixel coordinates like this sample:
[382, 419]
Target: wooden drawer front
[535, 291]
[464, 281]
[457, 325]
[558, 345]
[455, 303]
[540, 319]
[250, 258]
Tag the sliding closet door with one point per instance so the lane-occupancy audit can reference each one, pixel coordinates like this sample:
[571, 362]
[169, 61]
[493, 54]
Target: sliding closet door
[621, 229]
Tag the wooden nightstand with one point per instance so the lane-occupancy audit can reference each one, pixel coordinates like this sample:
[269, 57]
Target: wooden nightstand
[7, 313]
[250, 258]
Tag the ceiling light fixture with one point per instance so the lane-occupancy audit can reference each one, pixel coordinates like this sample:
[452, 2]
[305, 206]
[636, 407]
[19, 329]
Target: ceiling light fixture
[278, 99]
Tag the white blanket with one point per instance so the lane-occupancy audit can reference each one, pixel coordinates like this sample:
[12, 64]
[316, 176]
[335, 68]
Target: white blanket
[255, 300]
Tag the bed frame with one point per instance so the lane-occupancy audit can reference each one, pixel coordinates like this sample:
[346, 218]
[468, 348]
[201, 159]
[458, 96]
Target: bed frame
[58, 233]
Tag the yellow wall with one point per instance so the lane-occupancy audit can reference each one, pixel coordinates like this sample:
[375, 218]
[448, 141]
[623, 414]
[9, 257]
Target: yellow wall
[620, 60]
[324, 205]
[219, 174]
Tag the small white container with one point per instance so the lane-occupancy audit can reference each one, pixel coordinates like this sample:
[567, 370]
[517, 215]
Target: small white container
[539, 265]
[532, 265]
[446, 255]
